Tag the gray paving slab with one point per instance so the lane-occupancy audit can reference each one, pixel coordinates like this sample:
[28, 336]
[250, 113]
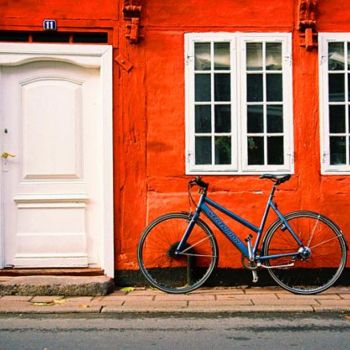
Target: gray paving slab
[209, 300]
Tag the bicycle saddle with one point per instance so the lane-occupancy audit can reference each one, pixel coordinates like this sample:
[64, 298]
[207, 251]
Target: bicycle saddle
[277, 179]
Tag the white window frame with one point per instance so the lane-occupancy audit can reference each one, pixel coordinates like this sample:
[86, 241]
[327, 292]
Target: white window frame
[326, 167]
[238, 104]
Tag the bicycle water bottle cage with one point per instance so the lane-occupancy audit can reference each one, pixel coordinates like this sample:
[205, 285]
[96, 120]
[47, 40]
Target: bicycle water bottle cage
[277, 179]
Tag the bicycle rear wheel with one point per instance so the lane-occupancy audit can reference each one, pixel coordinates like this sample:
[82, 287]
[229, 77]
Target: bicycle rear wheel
[180, 273]
[318, 264]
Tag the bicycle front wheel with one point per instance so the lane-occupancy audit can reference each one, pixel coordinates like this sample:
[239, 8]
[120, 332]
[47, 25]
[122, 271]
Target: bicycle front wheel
[176, 273]
[318, 263]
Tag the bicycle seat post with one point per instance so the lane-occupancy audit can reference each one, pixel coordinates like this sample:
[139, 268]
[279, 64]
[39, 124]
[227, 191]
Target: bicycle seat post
[273, 190]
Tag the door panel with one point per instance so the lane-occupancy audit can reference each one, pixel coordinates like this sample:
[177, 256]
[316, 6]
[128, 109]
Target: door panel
[57, 124]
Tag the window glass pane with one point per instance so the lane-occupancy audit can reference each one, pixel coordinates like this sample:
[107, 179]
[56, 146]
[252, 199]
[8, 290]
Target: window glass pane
[202, 56]
[254, 87]
[254, 56]
[336, 56]
[255, 119]
[274, 118]
[274, 87]
[222, 87]
[222, 118]
[336, 119]
[202, 87]
[203, 118]
[348, 87]
[336, 87]
[221, 56]
[255, 150]
[337, 150]
[348, 44]
[223, 150]
[203, 150]
[275, 150]
[273, 56]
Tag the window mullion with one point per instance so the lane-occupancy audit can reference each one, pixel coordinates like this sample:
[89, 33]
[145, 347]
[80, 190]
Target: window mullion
[264, 101]
[346, 105]
[233, 112]
[212, 103]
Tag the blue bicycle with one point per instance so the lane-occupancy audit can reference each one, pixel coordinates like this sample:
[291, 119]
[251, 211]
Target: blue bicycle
[304, 252]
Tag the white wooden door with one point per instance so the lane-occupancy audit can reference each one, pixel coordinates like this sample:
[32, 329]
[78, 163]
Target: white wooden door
[51, 165]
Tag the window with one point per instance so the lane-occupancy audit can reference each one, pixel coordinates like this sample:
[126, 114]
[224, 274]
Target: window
[238, 103]
[335, 102]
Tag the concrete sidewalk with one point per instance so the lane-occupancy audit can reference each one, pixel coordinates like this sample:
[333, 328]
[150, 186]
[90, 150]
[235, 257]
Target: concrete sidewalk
[204, 300]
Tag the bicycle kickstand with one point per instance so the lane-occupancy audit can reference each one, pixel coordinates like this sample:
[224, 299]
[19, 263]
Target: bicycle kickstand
[251, 258]
[255, 276]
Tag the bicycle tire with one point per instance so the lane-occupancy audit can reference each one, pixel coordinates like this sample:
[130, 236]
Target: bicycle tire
[320, 265]
[176, 273]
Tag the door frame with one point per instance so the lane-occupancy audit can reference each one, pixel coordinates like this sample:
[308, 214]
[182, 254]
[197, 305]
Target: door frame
[88, 56]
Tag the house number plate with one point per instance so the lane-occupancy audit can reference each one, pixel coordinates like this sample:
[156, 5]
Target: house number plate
[50, 24]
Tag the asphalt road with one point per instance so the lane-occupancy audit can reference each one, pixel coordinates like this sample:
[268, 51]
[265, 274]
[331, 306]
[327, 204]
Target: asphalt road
[286, 331]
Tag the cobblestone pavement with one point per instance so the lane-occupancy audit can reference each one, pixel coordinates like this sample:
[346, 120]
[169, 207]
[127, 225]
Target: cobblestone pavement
[204, 300]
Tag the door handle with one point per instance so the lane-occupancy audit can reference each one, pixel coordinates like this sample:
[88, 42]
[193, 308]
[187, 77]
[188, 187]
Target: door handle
[5, 155]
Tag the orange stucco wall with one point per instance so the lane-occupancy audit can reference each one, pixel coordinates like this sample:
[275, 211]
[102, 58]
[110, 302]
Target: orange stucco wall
[149, 135]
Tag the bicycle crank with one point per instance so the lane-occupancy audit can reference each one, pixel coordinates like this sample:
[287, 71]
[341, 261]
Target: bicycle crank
[252, 266]
[249, 265]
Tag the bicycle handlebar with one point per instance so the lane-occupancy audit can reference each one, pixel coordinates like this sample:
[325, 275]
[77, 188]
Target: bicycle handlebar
[198, 182]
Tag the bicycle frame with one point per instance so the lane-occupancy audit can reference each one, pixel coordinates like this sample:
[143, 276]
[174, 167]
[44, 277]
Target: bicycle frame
[204, 204]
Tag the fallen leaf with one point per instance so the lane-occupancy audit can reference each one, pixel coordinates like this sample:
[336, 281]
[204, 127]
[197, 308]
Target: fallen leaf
[42, 303]
[127, 289]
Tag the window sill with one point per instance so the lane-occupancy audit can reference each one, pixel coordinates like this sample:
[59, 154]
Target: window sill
[239, 173]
